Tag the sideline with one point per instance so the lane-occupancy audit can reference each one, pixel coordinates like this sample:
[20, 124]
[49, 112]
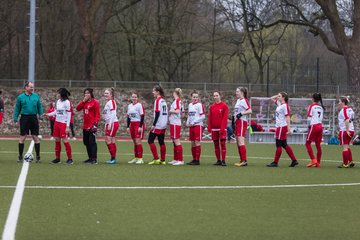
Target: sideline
[194, 187]
[13, 215]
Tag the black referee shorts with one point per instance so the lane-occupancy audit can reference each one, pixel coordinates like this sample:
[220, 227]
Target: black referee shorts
[29, 124]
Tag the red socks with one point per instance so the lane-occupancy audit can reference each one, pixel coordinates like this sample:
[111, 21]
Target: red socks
[112, 150]
[350, 155]
[138, 151]
[58, 150]
[290, 152]
[154, 150]
[277, 154]
[68, 150]
[220, 147]
[242, 152]
[196, 152]
[217, 150]
[223, 149]
[309, 150]
[319, 151]
[178, 153]
[346, 156]
[163, 152]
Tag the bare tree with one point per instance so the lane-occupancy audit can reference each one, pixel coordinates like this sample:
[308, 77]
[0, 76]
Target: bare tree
[335, 22]
[94, 16]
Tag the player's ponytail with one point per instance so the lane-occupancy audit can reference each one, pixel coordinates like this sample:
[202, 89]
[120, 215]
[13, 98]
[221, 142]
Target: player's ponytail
[64, 93]
[345, 99]
[111, 91]
[159, 89]
[244, 91]
[318, 99]
[285, 96]
[178, 92]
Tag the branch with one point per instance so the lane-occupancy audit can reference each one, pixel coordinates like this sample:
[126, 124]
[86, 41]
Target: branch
[314, 29]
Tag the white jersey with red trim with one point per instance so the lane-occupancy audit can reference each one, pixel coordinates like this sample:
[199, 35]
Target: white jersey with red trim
[175, 118]
[315, 114]
[63, 112]
[135, 111]
[109, 112]
[346, 113]
[241, 106]
[161, 107]
[282, 111]
[196, 114]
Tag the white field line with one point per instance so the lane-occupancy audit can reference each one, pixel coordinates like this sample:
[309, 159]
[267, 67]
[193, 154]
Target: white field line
[185, 155]
[13, 215]
[194, 187]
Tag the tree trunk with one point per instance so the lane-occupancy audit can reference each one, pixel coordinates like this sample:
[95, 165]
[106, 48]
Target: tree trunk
[352, 58]
[93, 20]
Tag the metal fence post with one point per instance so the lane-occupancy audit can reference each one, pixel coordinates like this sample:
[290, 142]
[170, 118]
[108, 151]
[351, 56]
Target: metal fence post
[70, 83]
[294, 88]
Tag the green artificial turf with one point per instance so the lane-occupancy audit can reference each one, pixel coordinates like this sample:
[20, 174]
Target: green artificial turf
[309, 212]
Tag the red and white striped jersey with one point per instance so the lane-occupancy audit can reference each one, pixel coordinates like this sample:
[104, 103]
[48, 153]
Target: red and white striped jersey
[175, 118]
[315, 114]
[346, 113]
[109, 112]
[241, 105]
[196, 114]
[161, 107]
[282, 111]
[135, 111]
[62, 112]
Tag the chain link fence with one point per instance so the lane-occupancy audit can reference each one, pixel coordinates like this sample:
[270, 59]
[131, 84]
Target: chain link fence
[258, 88]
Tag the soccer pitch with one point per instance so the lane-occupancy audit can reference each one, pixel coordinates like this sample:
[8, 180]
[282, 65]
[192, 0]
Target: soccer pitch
[126, 201]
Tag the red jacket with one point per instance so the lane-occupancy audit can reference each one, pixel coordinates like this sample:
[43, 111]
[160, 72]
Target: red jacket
[218, 116]
[91, 110]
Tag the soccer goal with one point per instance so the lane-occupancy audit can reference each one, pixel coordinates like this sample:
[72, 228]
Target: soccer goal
[262, 121]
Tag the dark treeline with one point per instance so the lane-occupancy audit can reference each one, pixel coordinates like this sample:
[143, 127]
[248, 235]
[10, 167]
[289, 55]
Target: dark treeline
[160, 40]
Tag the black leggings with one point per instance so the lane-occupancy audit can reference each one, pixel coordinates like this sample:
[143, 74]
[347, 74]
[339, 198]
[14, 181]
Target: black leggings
[281, 143]
[161, 138]
[52, 127]
[89, 140]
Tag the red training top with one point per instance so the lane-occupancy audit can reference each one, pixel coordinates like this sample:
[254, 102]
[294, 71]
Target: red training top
[218, 116]
[91, 110]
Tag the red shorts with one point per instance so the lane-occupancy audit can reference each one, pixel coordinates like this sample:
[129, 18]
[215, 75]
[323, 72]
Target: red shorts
[59, 130]
[217, 135]
[315, 133]
[281, 133]
[175, 131]
[158, 131]
[1, 117]
[195, 133]
[344, 138]
[113, 129]
[134, 130]
[240, 128]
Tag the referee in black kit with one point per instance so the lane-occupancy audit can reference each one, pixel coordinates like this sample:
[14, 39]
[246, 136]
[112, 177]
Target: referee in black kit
[28, 105]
